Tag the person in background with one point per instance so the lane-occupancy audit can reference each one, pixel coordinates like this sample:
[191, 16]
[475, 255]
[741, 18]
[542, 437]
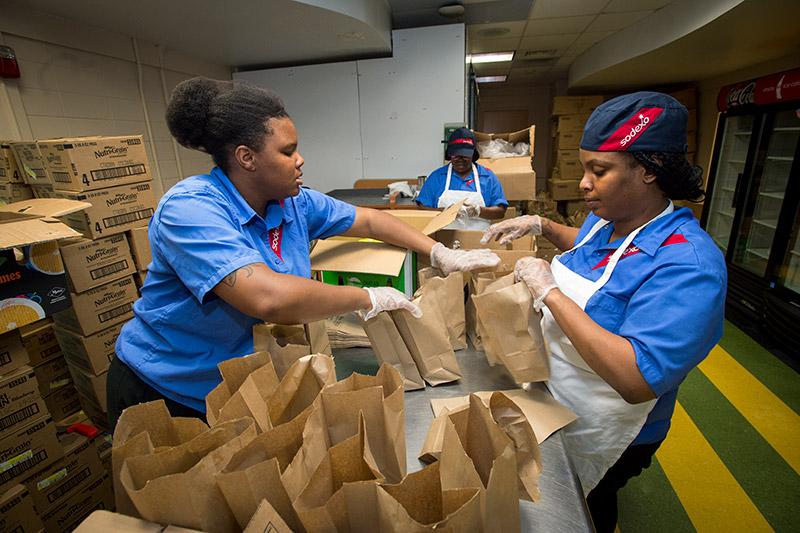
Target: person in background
[463, 179]
[637, 299]
[231, 249]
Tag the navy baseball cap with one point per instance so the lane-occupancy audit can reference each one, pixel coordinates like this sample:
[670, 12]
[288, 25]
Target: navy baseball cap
[638, 122]
[462, 142]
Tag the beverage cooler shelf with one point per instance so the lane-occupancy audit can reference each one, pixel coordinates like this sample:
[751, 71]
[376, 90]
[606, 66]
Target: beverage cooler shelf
[787, 128]
[772, 224]
[763, 253]
[775, 195]
[735, 161]
[779, 158]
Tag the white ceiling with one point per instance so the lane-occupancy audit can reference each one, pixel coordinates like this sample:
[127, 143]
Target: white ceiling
[547, 36]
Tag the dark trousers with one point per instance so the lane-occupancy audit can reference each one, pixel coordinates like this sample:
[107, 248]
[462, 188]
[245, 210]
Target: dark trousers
[125, 389]
[602, 500]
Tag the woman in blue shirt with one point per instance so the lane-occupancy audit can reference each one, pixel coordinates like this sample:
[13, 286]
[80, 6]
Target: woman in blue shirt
[463, 179]
[637, 299]
[231, 249]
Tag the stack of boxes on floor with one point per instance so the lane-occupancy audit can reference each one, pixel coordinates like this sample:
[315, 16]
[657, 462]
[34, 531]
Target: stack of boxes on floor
[113, 175]
[12, 185]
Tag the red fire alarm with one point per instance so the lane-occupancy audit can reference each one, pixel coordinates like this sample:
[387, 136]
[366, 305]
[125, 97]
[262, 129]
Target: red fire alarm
[9, 68]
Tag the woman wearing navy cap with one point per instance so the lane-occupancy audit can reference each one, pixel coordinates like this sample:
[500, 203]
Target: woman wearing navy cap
[637, 299]
[231, 249]
[463, 179]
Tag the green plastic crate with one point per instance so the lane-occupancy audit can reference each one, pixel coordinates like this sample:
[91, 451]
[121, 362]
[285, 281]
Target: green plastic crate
[405, 282]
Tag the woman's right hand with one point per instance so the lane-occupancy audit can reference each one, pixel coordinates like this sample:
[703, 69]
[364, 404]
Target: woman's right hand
[389, 299]
[513, 228]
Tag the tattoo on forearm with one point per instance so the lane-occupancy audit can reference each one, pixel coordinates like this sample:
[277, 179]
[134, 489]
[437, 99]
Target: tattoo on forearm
[230, 279]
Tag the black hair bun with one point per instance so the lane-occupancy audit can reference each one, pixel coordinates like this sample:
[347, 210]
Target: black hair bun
[189, 110]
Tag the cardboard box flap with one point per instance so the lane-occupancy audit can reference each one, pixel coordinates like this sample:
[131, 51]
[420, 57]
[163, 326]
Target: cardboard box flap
[367, 256]
[527, 135]
[46, 207]
[28, 230]
[507, 165]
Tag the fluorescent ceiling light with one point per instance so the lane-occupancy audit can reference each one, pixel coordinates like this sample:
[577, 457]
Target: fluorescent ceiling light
[493, 57]
[490, 79]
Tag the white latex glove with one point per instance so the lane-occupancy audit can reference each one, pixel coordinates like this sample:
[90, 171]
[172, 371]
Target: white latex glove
[468, 210]
[536, 274]
[449, 261]
[513, 228]
[388, 299]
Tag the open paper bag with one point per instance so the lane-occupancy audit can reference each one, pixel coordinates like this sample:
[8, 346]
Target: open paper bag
[140, 430]
[287, 344]
[511, 330]
[449, 293]
[389, 348]
[379, 401]
[178, 485]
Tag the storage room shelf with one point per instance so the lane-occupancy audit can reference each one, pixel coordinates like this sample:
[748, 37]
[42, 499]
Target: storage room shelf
[763, 253]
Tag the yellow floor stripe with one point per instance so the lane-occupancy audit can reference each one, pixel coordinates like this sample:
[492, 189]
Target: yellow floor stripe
[777, 423]
[707, 490]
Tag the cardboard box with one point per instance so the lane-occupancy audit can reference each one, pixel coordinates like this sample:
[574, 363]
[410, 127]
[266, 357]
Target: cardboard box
[515, 174]
[572, 105]
[92, 354]
[572, 206]
[12, 353]
[113, 210]
[471, 240]
[9, 171]
[52, 375]
[96, 495]
[139, 279]
[17, 514]
[90, 264]
[36, 287]
[91, 387]
[89, 163]
[569, 169]
[40, 341]
[60, 481]
[103, 443]
[104, 522]
[140, 248]
[20, 401]
[15, 192]
[569, 140]
[63, 403]
[99, 308]
[565, 189]
[30, 162]
[43, 191]
[570, 153]
[28, 449]
[572, 122]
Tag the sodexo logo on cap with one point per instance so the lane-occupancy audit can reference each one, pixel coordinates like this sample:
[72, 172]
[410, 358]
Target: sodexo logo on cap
[643, 121]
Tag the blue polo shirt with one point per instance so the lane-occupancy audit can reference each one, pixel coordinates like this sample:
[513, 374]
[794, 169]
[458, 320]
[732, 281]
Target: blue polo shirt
[491, 190]
[202, 231]
[666, 296]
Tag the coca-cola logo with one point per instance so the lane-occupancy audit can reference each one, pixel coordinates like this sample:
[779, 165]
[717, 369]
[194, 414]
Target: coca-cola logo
[742, 95]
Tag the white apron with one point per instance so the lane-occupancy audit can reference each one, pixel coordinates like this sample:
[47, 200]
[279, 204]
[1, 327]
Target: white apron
[449, 198]
[606, 424]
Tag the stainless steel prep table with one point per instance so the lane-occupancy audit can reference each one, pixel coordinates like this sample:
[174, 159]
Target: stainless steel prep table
[561, 508]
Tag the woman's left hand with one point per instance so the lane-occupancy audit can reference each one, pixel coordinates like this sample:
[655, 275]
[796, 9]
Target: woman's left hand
[449, 261]
[536, 274]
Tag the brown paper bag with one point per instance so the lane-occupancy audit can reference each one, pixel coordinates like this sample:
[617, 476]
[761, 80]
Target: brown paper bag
[389, 348]
[253, 474]
[317, 335]
[267, 520]
[319, 506]
[286, 344]
[483, 456]
[513, 331]
[449, 293]
[510, 418]
[247, 383]
[178, 486]
[421, 503]
[141, 429]
[379, 400]
[300, 386]
[426, 339]
[478, 281]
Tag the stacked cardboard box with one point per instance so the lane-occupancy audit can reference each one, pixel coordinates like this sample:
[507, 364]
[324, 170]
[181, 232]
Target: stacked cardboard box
[112, 174]
[12, 187]
[516, 174]
[569, 116]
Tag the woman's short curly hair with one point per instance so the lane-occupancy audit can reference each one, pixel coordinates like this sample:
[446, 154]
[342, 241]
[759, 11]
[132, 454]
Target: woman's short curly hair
[217, 116]
[679, 179]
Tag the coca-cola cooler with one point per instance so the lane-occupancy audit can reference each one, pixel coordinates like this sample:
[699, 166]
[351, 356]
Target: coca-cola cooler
[752, 207]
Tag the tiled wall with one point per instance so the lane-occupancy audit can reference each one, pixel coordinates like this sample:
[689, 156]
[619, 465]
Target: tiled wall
[65, 91]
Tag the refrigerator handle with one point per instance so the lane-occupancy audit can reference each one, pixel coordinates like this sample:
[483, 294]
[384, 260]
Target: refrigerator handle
[736, 190]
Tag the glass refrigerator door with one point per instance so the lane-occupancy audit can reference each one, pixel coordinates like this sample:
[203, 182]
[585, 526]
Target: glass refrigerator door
[758, 231]
[789, 272]
[732, 156]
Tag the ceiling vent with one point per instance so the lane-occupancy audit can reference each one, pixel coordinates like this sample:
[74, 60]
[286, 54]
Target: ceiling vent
[493, 33]
[540, 54]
